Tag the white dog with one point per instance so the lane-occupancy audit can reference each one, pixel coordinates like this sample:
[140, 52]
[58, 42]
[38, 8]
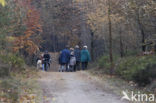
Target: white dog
[39, 64]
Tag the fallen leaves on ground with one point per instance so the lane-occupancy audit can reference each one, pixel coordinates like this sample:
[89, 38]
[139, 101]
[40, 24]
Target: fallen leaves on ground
[27, 98]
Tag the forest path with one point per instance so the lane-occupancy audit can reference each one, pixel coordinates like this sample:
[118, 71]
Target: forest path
[76, 87]
[73, 87]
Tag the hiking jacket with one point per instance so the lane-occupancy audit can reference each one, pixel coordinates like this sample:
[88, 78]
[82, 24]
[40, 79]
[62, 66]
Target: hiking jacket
[72, 61]
[65, 56]
[85, 56]
[46, 57]
[77, 54]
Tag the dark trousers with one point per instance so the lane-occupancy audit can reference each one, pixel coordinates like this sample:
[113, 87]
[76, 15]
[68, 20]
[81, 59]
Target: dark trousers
[71, 68]
[46, 65]
[77, 66]
[84, 65]
[66, 66]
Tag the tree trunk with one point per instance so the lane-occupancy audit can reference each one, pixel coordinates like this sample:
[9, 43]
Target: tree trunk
[121, 45]
[110, 38]
[92, 45]
[142, 33]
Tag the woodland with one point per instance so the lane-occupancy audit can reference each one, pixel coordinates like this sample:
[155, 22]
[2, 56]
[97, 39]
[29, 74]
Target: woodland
[120, 35]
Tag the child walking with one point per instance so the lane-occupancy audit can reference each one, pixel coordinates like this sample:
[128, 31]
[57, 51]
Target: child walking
[72, 62]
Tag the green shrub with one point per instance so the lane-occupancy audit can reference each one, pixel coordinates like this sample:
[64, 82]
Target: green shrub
[132, 53]
[138, 69]
[4, 71]
[104, 63]
[13, 60]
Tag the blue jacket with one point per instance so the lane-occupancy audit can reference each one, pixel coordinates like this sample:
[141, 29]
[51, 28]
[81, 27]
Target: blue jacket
[77, 54]
[65, 56]
[85, 56]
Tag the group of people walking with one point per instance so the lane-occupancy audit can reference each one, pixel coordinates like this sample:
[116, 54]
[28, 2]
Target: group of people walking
[43, 62]
[71, 59]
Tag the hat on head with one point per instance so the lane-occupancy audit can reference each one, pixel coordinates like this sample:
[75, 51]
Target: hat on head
[76, 46]
[85, 47]
[67, 46]
[46, 51]
[71, 49]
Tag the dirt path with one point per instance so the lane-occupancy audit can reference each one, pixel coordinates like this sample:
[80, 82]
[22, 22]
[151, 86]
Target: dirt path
[74, 88]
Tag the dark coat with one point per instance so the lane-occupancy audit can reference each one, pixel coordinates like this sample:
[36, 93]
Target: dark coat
[77, 53]
[46, 57]
[65, 56]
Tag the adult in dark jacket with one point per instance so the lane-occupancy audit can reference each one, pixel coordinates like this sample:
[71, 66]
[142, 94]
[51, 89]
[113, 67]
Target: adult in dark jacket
[62, 65]
[85, 58]
[65, 57]
[46, 60]
[77, 53]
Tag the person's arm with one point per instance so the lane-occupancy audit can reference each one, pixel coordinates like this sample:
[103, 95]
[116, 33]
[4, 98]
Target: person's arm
[50, 58]
[68, 56]
[80, 56]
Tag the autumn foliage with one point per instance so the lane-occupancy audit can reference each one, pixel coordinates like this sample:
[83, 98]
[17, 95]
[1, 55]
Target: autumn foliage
[2, 2]
[29, 42]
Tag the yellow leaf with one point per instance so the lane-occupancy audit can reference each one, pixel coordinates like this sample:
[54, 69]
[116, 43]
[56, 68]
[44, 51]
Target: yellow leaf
[2, 2]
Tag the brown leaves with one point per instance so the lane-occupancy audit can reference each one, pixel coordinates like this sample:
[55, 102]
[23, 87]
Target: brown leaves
[27, 98]
[98, 17]
[33, 26]
[25, 43]
[5, 95]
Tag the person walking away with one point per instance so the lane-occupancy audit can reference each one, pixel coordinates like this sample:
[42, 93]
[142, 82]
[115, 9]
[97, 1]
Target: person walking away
[77, 54]
[72, 62]
[62, 65]
[65, 57]
[85, 58]
[71, 50]
[42, 59]
[46, 60]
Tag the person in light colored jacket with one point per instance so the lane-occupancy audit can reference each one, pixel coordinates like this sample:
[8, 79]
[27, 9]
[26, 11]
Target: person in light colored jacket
[72, 62]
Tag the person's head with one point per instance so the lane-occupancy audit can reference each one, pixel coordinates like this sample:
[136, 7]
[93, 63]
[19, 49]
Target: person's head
[71, 49]
[76, 47]
[46, 52]
[67, 47]
[85, 47]
[42, 55]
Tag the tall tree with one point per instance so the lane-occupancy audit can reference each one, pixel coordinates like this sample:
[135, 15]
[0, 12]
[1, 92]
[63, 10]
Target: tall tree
[110, 37]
